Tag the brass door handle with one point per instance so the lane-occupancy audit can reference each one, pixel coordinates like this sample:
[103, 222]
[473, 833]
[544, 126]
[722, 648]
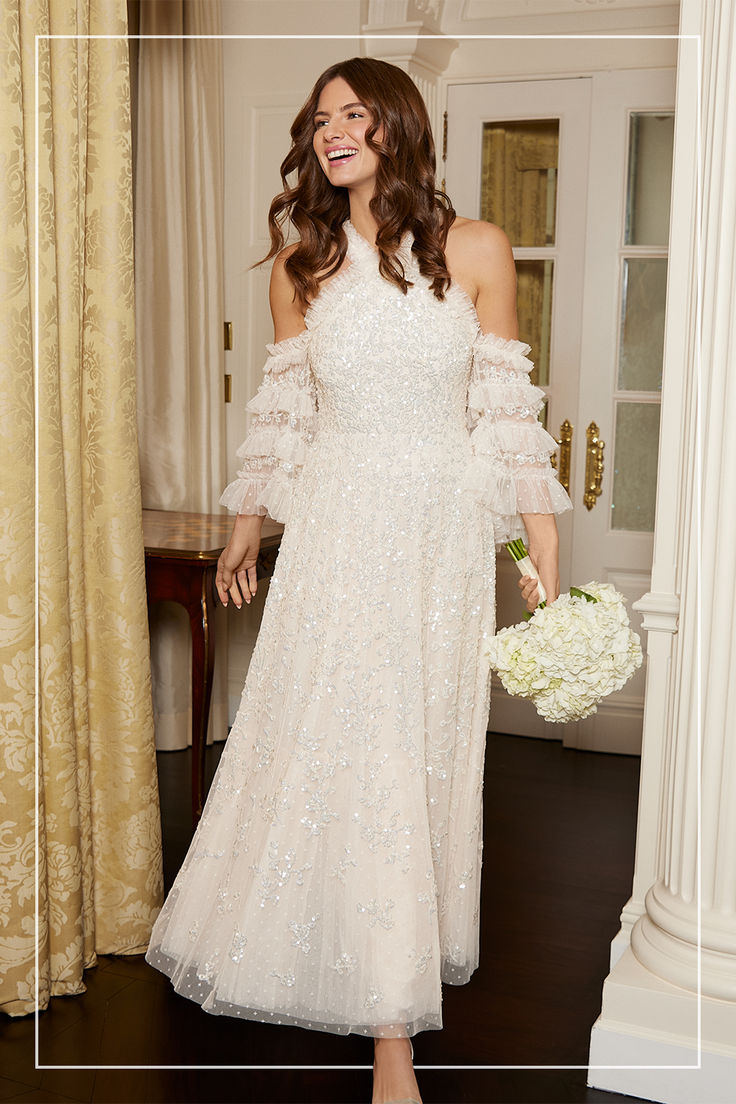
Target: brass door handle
[563, 465]
[594, 466]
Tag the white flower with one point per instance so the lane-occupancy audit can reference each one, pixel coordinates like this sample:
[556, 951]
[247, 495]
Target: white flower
[570, 655]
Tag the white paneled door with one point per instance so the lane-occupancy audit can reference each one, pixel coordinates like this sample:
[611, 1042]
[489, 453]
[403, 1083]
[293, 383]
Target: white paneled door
[578, 173]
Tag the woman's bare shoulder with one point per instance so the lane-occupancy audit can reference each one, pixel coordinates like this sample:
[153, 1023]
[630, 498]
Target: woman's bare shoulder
[479, 257]
[476, 242]
[279, 273]
[286, 310]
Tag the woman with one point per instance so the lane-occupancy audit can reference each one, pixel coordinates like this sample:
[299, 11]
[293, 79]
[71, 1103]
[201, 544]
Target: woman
[334, 879]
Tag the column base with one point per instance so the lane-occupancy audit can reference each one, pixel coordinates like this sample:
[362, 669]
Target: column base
[665, 941]
[647, 1022]
[630, 913]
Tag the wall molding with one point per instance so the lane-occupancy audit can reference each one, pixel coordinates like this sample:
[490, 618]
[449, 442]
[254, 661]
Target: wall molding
[632, 12]
[660, 612]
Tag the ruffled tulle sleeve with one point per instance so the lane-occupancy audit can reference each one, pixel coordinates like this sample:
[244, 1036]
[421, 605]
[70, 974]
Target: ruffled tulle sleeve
[274, 451]
[510, 472]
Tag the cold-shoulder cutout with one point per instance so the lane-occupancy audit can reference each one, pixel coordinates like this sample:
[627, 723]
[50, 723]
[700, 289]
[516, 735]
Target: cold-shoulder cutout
[480, 255]
[286, 311]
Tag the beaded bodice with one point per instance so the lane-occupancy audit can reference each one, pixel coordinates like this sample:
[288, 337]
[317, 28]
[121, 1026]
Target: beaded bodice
[385, 362]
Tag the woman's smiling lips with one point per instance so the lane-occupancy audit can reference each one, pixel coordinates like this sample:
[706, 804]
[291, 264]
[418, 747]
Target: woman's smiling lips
[341, 153]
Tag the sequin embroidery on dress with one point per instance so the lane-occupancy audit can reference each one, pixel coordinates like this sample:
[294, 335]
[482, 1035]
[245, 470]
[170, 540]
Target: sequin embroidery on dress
[334, 879]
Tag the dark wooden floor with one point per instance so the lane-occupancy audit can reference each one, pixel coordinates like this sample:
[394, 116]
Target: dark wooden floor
[559, 832]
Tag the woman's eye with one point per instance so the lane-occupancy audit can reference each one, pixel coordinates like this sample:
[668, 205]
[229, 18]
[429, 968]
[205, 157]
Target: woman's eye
[351, 115]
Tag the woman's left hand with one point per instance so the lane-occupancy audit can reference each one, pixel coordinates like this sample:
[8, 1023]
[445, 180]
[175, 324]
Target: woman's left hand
[544, 554]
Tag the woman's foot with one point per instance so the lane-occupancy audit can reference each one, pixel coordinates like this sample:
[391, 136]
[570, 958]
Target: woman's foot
[393, 1072]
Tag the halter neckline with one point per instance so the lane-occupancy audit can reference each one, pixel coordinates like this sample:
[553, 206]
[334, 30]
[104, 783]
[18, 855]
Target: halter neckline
[360, 246]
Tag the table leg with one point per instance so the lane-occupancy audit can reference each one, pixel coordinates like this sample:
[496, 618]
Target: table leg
[202, 621]
[191, 583]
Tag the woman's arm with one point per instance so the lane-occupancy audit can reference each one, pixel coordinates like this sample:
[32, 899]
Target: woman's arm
[490, 267]
[544, 545]
[287, 314]
[236, 567]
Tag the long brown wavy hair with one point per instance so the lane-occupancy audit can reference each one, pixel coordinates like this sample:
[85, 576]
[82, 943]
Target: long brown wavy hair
[405, 195]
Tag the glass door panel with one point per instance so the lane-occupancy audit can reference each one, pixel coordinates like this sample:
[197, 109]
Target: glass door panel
[642, 323]
[651, 138]
[636, 444]
[519, 178]
[519, 168]
[643, 284]
[534, 307]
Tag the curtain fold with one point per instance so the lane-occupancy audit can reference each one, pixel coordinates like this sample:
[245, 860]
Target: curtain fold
[180, 311]
[100, 875]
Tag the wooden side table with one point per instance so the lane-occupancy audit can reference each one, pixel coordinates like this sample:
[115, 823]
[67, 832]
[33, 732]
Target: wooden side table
[182, 550]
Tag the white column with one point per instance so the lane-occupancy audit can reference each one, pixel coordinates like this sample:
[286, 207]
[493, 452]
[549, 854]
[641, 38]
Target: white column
[683, 946]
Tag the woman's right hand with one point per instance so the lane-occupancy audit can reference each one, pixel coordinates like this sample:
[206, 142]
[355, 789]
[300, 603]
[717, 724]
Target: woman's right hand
[236, 567]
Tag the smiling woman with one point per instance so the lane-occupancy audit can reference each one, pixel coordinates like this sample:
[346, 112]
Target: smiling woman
[334, 880]
[340, 139]
[377, 110]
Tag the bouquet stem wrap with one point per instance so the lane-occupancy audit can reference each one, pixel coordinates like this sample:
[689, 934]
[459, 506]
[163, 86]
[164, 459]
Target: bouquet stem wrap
[520, 556]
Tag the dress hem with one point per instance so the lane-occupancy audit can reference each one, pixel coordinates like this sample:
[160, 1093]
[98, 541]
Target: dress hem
[201, 991]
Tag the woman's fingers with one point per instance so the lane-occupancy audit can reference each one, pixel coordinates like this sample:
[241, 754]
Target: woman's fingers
[529, 592]
[223, 582]
[243, 589]
[243, 586]
[236, 567]
[240, 583]
[235, 591]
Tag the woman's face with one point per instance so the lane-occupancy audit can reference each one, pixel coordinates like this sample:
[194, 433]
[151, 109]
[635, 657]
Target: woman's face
[340, 123]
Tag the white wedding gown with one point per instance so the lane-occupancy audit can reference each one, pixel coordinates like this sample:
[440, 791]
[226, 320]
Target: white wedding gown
[334, 878]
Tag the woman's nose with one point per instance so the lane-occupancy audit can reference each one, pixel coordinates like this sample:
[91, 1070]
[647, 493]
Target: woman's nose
[332, 130]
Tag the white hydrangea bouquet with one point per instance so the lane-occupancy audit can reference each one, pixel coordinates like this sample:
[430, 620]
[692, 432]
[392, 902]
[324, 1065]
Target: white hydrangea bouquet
[568, 656]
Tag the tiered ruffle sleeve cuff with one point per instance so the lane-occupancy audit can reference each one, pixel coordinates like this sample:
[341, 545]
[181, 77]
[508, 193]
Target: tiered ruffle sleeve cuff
[510, 472]
[275, 449]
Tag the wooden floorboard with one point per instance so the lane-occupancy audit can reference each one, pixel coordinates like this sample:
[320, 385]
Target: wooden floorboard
[558, 859]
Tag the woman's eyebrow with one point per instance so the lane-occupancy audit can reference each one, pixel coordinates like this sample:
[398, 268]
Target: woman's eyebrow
[345, 107]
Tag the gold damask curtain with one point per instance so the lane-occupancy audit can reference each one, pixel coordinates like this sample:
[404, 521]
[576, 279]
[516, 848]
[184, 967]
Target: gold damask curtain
[99, 852]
